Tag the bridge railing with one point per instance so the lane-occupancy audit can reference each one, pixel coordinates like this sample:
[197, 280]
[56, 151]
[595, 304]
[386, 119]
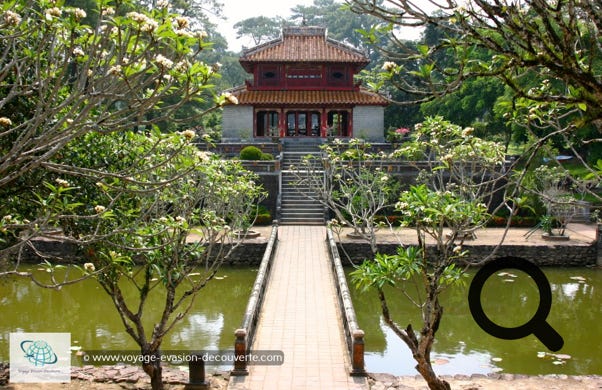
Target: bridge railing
[246, 333]
[354, 336]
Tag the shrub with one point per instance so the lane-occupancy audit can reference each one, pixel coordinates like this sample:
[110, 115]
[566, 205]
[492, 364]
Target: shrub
[250, 153]
[264, 217]
[267, 156]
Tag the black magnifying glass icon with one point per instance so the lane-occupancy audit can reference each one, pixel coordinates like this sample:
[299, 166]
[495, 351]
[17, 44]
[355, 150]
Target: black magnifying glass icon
[537, 325]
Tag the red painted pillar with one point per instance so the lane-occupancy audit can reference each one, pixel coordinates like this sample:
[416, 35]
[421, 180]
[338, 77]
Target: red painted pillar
[323, 123]
[282, 123]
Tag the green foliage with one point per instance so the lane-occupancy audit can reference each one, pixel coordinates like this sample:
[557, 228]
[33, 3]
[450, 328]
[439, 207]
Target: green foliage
[450, 144]
[263, 217]
[131, 70]
[251, 153]
[546, 222]
[388, 269]
[80, 148]
[448, 204]
[356, 188]
[137, 218]
[429, 210]
[260, 28]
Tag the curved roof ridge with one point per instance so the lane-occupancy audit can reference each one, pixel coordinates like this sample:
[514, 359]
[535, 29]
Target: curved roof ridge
[304, 44]
[250, 50]
[346, 46]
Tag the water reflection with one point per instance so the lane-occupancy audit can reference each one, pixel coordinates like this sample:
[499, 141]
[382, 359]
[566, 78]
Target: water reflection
[88, 314]
[464, 348]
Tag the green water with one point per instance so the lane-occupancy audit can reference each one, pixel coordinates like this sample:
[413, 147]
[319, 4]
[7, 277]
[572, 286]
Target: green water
[462, 347]
[86, 311]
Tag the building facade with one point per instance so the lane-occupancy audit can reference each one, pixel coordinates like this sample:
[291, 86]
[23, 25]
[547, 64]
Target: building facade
[303, 87]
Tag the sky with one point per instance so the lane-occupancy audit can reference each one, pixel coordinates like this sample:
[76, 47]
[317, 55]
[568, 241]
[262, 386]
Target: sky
[237, 10]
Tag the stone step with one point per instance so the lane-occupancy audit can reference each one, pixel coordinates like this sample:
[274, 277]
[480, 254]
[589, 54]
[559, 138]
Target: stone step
[301, 221]
[290, 177]
[296, 207]
[295, 188]
[291, 189]
[310, 208]
[293, 181]
[299, 166]
[310, 217]
[290, 182]
[298, 200]
[297, 195]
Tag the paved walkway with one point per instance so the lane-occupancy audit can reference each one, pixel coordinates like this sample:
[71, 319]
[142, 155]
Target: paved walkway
[300, 316]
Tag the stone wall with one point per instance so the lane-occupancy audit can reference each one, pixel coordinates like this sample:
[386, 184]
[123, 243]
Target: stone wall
[251, 252]
[237, 122]
[270, 184]
[368, 122]
[248, 253]
[542, 255]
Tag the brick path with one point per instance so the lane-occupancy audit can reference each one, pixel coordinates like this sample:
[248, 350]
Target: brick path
[300, 316]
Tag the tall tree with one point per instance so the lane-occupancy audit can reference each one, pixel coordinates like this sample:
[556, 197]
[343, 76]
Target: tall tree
[68, 79]
[548, 53]
[80, 150]
[343, 25]
[457, 176]
[259, 28]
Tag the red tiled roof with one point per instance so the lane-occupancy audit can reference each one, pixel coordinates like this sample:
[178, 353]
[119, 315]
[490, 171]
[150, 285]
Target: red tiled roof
[309, 98]
[304, 44]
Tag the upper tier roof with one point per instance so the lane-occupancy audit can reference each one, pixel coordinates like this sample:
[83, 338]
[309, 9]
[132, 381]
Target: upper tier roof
[359, 97]
[303, 44]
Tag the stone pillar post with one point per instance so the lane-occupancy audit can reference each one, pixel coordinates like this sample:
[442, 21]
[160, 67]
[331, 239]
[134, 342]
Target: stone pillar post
[357, 353]
[599, 241]
[240, 351]
[196, 375]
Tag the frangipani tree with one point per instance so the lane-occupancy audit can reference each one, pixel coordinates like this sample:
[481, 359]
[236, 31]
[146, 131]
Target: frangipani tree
[547, 55]
[448, 202]
[452, 158]
[134, 221]
[80, 151]
[146, 230]
[351, 182]
[61, 79]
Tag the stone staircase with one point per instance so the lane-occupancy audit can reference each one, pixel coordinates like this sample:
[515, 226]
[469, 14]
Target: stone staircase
[297, 206]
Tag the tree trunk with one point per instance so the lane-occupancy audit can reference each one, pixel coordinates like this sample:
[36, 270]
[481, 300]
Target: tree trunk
[152, 366]
[434, 382]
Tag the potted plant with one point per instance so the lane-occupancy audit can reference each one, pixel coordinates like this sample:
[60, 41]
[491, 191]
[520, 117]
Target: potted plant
[398, 135]
[554, 224]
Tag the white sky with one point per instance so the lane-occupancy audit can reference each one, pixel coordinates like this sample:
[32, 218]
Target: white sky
[237, 10]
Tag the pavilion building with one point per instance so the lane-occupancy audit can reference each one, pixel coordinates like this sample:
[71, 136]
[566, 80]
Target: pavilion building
[303, 87]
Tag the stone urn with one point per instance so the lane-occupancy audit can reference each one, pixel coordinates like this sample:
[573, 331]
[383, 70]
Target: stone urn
[555, 237]
[246, 234]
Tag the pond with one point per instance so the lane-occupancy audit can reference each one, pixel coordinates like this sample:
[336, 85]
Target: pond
[509, 299]
[86, 311]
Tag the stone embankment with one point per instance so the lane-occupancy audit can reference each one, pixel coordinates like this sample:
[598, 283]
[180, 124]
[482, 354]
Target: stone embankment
[116, 377]
[490, 382]
[130, 377]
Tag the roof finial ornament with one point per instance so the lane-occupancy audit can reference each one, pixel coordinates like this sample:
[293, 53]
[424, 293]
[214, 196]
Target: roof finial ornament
[303, 21]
